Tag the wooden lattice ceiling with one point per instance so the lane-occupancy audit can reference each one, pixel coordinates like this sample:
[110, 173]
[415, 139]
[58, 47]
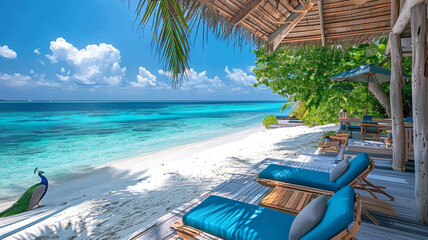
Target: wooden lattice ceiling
[296, 22]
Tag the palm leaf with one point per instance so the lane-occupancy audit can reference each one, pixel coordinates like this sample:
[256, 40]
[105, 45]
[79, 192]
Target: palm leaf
[173, 21]
[287, 105]
[170, 34]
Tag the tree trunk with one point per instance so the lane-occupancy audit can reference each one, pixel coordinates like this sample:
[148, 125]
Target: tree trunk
[420, 106]
[381, 96]
[398, 149]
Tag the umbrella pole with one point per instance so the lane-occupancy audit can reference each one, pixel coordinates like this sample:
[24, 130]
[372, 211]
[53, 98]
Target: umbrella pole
[367, 94]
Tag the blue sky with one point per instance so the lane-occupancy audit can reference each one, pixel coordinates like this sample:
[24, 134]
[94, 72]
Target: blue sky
[88, 50]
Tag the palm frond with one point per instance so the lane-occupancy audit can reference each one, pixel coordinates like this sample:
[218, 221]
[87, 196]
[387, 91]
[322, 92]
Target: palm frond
[287, 105]
[170, 34]
[174, 20]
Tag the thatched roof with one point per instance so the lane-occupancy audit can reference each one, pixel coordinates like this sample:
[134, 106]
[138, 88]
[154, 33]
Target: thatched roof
[300, 22]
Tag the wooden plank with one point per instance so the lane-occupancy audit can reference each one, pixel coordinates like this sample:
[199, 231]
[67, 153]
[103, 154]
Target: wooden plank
[291, 200]
[276, 37]
[302, 201]
[280, 196]
[286, 198]
[246, 11]
[297, 200]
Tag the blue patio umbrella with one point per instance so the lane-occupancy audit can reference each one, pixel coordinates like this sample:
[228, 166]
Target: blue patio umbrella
[366, 73]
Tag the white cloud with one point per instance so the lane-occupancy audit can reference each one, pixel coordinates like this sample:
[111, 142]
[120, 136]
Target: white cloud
[251, 68]
[62, 70]
[6, 52]
[198, 80]
[32, 71]
[15, 79]
[92, 65]
[39, 80]
[37, 51]
[62, 77]
[146, 79]
[240, 76]
[18, 80]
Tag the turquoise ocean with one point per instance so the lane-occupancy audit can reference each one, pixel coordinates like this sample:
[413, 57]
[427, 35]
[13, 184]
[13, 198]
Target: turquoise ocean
[62, 138]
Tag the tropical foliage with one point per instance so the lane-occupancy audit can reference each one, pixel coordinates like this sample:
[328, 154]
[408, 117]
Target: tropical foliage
[270, 119]
[302, 74]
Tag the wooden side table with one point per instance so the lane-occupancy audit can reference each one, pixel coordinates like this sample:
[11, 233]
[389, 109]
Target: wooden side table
[292, 201]
[287, 200]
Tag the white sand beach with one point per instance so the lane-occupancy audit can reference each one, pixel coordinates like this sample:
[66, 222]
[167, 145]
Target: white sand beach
[114, 200]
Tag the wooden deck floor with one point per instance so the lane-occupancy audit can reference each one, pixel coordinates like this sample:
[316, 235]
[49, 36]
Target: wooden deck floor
[244, 188]
[374, 148]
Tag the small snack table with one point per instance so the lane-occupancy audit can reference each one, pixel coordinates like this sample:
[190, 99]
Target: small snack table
[292, 201]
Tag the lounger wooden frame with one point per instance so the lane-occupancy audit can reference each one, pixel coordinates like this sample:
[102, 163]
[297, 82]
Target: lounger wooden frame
[363, 128]
[343, 142]
[189, 233]
[359, 182]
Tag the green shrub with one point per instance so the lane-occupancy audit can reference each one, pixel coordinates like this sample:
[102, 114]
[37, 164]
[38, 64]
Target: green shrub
[330, 133]
[269, 120]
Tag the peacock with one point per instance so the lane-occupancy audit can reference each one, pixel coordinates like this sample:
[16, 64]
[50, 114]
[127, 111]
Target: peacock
[30, 198]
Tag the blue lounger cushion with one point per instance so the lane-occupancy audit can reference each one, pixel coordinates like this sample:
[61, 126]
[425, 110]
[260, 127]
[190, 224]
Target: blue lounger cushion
[408, 119]
[339, 214]
[354, 128]
[316, 179]
[235, 220]
[300, 176]
[231, 219]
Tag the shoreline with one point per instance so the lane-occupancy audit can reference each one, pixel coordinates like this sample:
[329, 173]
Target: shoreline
[84, 172]
[115, 199]
[186, 148]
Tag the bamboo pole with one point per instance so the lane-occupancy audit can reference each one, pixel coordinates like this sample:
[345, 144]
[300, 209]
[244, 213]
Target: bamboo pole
[420, 106]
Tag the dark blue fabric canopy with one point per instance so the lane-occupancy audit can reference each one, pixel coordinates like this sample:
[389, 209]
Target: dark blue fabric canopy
[360, 74]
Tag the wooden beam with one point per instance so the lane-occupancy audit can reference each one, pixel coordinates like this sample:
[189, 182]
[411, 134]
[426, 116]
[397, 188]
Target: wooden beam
[404, 17]
[246, 11]
[420, 106]
[399, 22]
[291, 8]
[276, 37]
[321, 23]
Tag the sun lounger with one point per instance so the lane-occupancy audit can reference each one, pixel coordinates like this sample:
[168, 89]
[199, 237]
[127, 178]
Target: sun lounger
[315, 181]
[229, 219]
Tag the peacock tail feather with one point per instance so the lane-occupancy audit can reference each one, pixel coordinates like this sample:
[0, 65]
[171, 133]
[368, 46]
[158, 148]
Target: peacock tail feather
[23, 203]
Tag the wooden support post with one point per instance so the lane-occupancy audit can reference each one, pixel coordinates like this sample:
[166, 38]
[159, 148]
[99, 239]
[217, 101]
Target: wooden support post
[398, 150]
[396, 98]
[420, 106]
[321, 23]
